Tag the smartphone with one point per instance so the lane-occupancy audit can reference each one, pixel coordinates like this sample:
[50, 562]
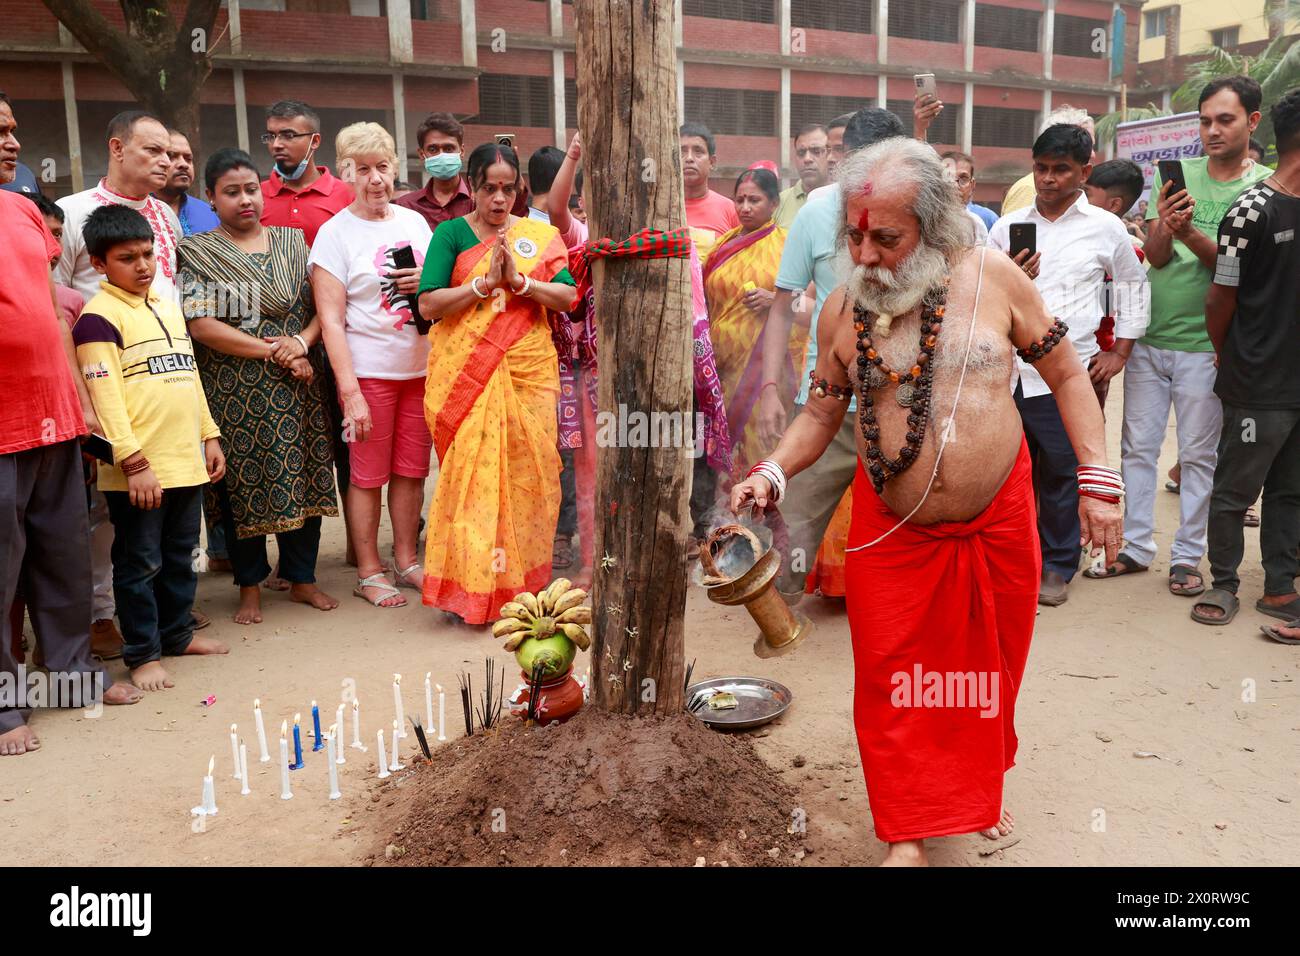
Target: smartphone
[925, 85]
[1024, 235]
[505, 139]
[99, 446]
[1171, 171]
[404, 258]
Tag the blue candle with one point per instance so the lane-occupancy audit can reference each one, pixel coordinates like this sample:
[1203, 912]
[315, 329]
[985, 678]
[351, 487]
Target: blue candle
[315, 721]
[297, 744]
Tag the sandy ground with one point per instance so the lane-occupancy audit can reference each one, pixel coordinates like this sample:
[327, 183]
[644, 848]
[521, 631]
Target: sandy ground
[1120, 668]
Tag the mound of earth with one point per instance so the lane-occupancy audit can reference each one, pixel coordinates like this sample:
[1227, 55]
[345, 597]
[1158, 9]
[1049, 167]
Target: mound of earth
[602, 789]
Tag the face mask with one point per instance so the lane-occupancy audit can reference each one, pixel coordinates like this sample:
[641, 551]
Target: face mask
[443, 165]
[296, 174]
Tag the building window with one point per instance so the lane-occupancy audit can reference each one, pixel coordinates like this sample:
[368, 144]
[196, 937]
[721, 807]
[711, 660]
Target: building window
[1006, 28]
[809, 108]
[732, 112]
[1155, 23]
[1074, 36]
[844, 16]
[508, 100]
[942, 130]
[570, 103]
[752, 11]
[1225, 39]
[1003, 126]
[935, 20]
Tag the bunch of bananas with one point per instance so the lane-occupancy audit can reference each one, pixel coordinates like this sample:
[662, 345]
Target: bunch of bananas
[556, 609]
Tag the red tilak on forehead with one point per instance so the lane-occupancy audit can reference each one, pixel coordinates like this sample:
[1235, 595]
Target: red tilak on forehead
[867, 190]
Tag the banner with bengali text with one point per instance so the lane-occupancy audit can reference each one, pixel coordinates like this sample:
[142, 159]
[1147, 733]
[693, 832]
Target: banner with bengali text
[1148, 141]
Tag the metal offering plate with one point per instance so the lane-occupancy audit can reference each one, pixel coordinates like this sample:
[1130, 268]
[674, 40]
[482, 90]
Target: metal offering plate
[759, 701]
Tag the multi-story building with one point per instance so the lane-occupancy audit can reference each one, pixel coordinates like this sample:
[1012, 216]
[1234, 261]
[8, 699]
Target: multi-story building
[1172, 34]
[755, 71]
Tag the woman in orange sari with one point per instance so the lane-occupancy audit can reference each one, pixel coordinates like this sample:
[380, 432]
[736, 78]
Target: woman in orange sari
[493, 380]
[738, 281]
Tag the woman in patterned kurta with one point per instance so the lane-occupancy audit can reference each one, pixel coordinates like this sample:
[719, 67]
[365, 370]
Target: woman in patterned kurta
[246, 297]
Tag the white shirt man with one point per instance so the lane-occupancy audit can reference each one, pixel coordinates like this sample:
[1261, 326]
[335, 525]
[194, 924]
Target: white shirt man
[1084, 245]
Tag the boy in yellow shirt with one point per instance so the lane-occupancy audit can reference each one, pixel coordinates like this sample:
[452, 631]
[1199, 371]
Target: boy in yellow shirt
[139, 368]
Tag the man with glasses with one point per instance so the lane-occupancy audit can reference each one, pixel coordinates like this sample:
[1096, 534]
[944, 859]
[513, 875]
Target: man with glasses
[298, 193]
[811, 157]
[962, 168]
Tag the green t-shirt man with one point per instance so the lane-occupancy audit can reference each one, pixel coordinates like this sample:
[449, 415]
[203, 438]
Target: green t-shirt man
[1178, 290]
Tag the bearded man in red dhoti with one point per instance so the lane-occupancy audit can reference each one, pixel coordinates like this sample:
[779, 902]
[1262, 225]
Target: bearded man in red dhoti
[943, 557]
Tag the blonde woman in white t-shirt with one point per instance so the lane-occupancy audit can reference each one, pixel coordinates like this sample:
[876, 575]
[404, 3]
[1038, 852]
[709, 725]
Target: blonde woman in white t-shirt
[378, 356]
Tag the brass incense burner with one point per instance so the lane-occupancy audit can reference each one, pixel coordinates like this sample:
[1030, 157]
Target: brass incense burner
[738, 570]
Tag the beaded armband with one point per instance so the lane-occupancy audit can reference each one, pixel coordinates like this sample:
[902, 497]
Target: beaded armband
[1045, 344]
[821, 388]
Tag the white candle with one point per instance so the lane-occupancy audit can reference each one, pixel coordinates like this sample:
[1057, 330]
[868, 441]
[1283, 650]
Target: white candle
[442, 713]
[356, 725]
[243, 768]
[397, 705]
[383, 761]
[329, 758]
[394, 765]
[234, 749]
[338, 740]
[265, 756]
[209, 805]
[428, 703]
[285, 792]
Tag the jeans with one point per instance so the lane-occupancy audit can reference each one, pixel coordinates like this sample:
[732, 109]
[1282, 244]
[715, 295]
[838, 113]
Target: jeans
[298, 548]
[153, 572]
[1055, 481]
[1153, 380]
[1258, 448]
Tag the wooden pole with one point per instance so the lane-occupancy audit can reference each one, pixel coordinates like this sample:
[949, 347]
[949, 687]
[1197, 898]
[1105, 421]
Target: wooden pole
[627, 112]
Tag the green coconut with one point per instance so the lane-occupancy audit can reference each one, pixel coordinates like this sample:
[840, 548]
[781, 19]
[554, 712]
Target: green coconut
[554, 653]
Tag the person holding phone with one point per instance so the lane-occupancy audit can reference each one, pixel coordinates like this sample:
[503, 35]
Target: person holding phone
[378, 357]
[261, 377]
[1068, 247]
[1173, 364]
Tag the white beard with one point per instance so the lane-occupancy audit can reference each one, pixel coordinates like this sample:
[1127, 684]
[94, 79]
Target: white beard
[897, 293]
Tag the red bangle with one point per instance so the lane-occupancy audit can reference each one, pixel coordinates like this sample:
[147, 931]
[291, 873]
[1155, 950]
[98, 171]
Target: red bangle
[1109, 499]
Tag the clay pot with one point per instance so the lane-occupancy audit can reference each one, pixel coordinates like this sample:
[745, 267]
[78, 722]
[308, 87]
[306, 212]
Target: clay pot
[561, 698]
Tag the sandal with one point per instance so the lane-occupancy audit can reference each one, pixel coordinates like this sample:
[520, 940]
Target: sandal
[1271, 631]
[1224, 600]
[377, 580]
[1250, 519]
[1174, 486]
[1126, 566]
[402, 577]
[1286, 612]
[562, 552]
[199, 620]
[1178, 574]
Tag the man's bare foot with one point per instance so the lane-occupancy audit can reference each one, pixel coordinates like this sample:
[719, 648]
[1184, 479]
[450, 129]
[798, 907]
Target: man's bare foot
[250, 606]
[120, 692]
[151, 676]
[206, 645]
[311, 594]
[906, 853]
[19, 741]
[274, 582]
[1006, 823]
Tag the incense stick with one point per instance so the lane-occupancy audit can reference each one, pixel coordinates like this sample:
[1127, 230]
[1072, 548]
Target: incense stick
[419, 735]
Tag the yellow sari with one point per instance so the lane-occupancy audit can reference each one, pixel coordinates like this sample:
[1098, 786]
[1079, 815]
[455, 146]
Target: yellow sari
[490, 399]
[737, 263]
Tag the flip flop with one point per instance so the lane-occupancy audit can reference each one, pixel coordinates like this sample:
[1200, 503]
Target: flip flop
[562, 553]
[1178, 574]
[200, 620]
[1224, 600]
[1271, 632]
[1285, 612]
[1128, 564]
[1250, 519]
[1174, 486]
[377, 580]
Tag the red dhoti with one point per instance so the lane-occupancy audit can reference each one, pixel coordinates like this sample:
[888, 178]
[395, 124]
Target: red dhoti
[941, 617]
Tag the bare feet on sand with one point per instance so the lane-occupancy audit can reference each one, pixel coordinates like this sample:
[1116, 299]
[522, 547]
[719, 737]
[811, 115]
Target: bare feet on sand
[275, 582]
[906, 853]
[206, 645]
[250, 606]
[310, 594]
[1006, 823]
[151, 677]
[120, 692]
[19, 741]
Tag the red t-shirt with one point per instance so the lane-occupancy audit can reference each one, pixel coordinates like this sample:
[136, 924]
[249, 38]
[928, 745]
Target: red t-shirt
[711, 213]
[307, 209]
[40, 405]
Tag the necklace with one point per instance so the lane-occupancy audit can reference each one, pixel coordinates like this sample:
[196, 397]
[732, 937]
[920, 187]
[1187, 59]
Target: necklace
[226, 232]
[913, 390]
[1277, 184]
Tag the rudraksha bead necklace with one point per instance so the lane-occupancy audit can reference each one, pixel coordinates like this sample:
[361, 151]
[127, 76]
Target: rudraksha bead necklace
[913, 390]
